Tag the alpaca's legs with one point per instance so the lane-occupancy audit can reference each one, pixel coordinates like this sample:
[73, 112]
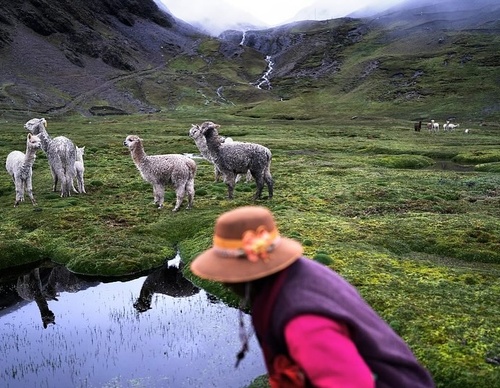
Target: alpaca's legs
[29, 190]
[159, 193]
[180, 192]
[259, 181]
[55, 179]
[230, 181]
[190, 193]
[66, 186]
[80, 183]
[217, 174]
[19, 192]
[248, 177]
[269, 182]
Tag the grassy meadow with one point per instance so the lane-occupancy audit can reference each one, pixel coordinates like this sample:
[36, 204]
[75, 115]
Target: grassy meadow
[410, 218]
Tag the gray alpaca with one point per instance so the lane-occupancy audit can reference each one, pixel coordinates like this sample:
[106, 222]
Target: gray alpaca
[161, 170]
[237, 158]
[20, 167]
[196, 134]
[61, 154]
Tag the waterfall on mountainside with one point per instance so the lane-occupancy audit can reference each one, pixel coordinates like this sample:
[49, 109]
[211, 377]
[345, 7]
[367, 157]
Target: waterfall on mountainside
[264, 80]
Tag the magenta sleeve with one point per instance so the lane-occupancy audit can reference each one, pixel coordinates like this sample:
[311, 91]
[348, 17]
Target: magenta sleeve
[323, 349]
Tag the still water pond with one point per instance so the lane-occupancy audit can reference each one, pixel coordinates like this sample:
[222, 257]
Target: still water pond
[154, 331]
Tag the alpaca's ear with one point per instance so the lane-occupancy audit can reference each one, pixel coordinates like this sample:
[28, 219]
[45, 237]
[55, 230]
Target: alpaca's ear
[29, 136]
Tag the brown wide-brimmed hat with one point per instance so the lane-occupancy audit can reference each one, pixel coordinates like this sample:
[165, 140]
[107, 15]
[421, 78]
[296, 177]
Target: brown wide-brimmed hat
[246, 246]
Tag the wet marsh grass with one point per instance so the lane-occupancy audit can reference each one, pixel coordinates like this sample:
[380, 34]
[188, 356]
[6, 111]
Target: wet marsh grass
[364, 196]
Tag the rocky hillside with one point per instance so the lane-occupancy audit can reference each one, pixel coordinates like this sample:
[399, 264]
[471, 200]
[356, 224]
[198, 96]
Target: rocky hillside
[52, 52]
[128, 56]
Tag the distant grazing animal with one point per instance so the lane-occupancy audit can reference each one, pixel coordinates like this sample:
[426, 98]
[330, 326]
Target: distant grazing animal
[452, 127]
[417, 126]
[237, 158]
[80, 169]
[433, 126]
[20, 167]
[196, 134]
[61, 154]
[161, 170]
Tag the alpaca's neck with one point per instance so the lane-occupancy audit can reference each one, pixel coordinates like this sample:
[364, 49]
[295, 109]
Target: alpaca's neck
[29, 156]
[213, 142]
[44, 137]
[138, 154]
[213, 146]
[201, 143]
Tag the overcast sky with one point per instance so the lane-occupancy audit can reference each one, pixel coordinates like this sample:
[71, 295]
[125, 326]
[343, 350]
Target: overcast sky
[218, 15]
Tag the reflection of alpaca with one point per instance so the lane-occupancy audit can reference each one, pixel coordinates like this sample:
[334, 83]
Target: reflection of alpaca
[29, 287]
[167, 280]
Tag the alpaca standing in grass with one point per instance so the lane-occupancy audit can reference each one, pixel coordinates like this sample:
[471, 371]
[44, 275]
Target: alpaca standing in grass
[80, 169]
[237, 158]
[161, 170]
[61, 154]
[201, 143]
[20, 167]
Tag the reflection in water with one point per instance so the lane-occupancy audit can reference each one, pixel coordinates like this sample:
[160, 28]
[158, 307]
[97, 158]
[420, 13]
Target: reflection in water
[30, 288]
[167, 280]
[182, 337]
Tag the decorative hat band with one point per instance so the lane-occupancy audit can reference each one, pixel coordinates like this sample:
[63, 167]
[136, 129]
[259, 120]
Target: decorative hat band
[254, 244]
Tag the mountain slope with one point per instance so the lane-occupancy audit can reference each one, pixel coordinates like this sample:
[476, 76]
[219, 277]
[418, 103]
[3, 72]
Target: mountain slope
[53, 51]
[126, 56]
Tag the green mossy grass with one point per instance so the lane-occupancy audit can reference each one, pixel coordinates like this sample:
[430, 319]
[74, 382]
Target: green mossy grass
[409, 218]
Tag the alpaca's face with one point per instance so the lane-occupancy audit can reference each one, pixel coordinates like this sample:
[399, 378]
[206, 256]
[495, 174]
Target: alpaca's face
[32, 125]
[195, 132]
[80, 151]
[131, 141]
[34, 142]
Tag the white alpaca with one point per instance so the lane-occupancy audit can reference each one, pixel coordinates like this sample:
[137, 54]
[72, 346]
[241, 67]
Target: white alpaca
[452, 127]
[61, 154]
[435, 126]
[161, 170]
[20, 167]
[80, 169]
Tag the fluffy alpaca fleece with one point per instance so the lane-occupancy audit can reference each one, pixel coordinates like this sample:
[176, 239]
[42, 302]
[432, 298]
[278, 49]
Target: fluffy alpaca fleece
[61, 154]
[201, 143]
[161, 170]
[20, 167]
[80, 169]
[237, 158]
